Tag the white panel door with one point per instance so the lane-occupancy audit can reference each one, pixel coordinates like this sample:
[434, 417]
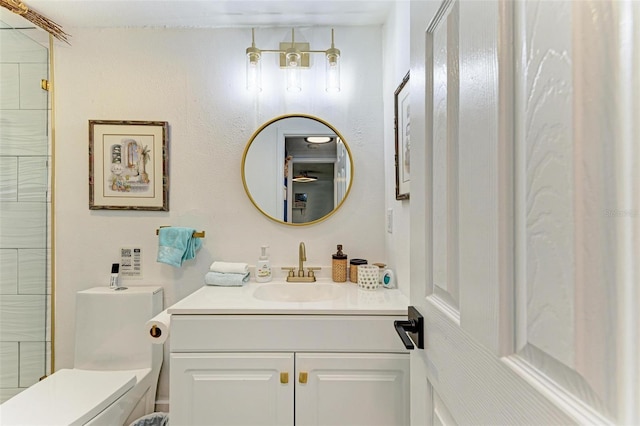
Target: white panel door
[232, 389]
[525, 211]
[352, 389]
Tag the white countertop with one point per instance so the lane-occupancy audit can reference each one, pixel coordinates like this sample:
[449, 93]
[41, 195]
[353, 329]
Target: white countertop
[349, 300]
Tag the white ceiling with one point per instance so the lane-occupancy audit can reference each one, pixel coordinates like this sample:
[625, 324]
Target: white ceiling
[205, 13]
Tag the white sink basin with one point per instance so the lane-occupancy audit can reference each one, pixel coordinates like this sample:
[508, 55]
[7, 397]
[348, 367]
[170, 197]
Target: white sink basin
[298, 292]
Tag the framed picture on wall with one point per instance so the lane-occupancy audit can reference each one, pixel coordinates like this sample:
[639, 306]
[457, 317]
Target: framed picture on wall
[403, 145]
[128, 165]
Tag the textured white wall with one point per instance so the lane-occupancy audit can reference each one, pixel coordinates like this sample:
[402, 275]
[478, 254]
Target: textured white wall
[396, 66]
[194, 79]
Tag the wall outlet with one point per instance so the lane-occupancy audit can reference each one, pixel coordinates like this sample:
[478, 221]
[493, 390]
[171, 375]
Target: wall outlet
[390, 221]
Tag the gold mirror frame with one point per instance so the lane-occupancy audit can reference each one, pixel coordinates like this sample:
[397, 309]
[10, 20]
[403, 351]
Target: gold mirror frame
[248, 146]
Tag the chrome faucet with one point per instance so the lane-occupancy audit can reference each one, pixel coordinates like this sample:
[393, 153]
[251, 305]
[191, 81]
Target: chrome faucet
[300, 276]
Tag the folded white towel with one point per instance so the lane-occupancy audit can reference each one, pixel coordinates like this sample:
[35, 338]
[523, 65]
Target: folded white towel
[226, 280]
[229, 267]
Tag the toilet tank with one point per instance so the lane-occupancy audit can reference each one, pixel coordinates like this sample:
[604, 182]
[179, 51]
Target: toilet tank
[110, 328]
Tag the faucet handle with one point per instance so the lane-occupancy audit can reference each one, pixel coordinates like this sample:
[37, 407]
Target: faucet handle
[290, 269]
[310, 270]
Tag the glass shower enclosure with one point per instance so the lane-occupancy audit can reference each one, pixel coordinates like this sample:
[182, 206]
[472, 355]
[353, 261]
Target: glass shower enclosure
[25, 210]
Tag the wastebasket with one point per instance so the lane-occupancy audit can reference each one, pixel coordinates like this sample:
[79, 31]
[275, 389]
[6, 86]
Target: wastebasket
[153, 419]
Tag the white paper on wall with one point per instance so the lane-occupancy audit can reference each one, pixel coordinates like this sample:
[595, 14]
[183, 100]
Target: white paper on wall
[131, 262]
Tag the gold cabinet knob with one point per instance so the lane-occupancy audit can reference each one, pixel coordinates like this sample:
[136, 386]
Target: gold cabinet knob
[284, 378]
[302, 377]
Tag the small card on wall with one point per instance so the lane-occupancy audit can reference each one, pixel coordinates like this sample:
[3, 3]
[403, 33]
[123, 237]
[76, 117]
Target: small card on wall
[131, 262]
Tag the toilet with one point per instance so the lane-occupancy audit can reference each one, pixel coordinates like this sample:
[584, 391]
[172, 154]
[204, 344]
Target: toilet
[116, 366]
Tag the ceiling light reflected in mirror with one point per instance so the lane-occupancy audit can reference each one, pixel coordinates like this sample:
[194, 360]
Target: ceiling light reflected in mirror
[304, 177]
[318, 139]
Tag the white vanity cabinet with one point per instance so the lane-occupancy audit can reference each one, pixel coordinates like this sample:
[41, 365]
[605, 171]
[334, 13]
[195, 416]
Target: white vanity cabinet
[352, 389]
[288, 369]
[231, 388]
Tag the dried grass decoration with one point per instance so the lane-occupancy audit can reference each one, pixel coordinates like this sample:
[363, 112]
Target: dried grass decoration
[19, 8]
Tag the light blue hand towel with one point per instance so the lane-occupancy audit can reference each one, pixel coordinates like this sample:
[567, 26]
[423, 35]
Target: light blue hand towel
[226, 280]
[176, 244]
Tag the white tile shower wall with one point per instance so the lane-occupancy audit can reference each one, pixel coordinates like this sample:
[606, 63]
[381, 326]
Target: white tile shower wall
[31, 94]
[34, 271]
[17, 48]
[24, 132]
[32, 179]
[33, 361]
[23, 225]
[24, 220]
[8, 271]
[9, 365]
[8, 178]
[23, 318]
[10, 86]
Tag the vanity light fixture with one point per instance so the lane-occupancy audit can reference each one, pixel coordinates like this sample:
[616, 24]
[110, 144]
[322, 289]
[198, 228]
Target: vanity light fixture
[293, 57]
[254, 66]
[304, 178]
[318, 139]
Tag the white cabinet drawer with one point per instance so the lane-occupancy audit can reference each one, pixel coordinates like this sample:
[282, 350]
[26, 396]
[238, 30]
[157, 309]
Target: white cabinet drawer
[206, 333]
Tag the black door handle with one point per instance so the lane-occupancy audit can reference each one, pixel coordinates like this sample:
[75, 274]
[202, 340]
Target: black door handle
[402, 328]
[412, 330]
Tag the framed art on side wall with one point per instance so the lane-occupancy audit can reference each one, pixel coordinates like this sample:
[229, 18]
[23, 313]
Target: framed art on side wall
[403, 145]
[128, 165]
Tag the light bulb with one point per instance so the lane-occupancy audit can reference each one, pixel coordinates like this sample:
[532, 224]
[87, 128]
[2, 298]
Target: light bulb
[332, 71]
[254, 70]
[293, 59]
[294, 83]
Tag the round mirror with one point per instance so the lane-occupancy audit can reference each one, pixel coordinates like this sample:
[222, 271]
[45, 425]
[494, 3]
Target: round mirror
[297, 169]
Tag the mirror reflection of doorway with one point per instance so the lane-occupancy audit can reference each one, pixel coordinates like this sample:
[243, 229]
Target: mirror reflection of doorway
[311, 190]
[310, 179]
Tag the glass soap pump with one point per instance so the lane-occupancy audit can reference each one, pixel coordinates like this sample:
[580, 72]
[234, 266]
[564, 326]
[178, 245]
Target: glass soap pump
[339, 266]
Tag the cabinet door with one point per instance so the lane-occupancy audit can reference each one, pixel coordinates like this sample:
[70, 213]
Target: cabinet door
[231, 389]
[352, 389]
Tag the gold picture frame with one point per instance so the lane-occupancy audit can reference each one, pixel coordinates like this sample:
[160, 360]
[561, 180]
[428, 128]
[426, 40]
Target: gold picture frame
[402, 142]
[128, 165]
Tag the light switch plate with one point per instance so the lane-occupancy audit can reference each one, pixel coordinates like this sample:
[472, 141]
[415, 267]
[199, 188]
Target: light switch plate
[390, 221]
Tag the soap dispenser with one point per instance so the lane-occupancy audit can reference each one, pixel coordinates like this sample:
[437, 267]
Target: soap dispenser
[263, 269]
[339, 266]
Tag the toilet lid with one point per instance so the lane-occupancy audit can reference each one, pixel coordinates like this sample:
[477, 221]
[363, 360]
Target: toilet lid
[68, 397]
